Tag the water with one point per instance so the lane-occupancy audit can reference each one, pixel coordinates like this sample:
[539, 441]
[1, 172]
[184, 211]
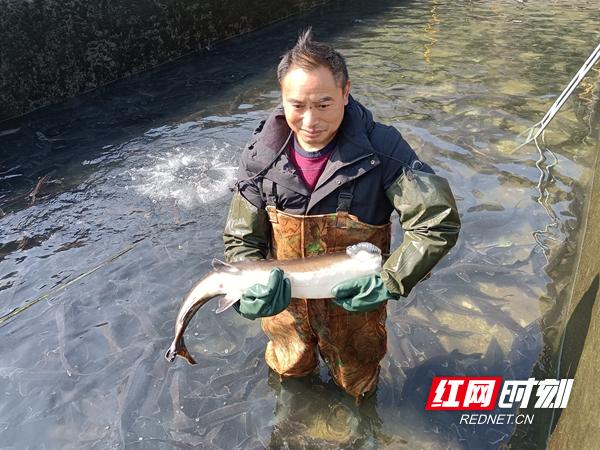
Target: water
[93, 269]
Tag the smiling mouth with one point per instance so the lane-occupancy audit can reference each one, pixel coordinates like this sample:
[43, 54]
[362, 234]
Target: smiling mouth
[312, 133]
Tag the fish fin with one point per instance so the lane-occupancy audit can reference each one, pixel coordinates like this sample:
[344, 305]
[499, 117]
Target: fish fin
[185, 354]
[226, 303]
[222, 266]
[178, 348]
[352, 250]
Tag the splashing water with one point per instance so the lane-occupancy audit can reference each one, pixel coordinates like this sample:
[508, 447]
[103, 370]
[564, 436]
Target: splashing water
[190, 176]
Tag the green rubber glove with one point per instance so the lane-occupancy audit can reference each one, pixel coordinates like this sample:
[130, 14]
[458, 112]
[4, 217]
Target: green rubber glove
[361, 294]
[267, 300]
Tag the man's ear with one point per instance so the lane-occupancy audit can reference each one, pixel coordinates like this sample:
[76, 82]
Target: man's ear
[346, 92]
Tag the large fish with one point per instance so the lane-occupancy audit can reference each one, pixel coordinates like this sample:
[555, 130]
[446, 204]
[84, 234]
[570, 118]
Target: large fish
[311, 277]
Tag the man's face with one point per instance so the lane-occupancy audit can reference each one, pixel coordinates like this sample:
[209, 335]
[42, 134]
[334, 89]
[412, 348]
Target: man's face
[313, 105]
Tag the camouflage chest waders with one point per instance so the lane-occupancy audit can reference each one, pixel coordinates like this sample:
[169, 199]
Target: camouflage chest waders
[351, 343]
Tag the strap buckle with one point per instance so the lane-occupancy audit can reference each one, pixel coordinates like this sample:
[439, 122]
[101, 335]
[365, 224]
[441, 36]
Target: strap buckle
[272, 213]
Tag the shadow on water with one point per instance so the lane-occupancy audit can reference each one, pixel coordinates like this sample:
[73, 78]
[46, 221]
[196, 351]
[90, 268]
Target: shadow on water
[575, 335]
[576, 332]
[311, 413]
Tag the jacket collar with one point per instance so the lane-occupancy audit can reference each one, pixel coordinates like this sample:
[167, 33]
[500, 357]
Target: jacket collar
[353, 146]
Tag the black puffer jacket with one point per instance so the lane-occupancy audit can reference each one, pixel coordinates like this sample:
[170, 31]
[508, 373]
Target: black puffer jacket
[372, 153]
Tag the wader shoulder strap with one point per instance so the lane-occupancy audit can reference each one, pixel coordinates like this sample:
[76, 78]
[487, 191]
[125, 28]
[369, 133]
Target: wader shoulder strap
[269, 192]
[345, 197]
[269, 196]
[344, 202]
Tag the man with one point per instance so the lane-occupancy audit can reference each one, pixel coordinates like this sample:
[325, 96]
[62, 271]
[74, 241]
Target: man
[320, 175]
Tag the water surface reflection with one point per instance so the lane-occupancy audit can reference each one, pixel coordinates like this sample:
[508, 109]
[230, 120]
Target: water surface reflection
[93, 268]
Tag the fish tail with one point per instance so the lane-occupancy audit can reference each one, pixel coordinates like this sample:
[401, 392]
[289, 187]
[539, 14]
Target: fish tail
[178, 348]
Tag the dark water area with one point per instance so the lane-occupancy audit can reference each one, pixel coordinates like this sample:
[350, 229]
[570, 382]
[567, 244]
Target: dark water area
[112, 205]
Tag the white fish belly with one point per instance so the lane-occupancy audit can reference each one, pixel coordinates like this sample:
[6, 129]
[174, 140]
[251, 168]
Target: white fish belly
[319, 284]
[313, 284]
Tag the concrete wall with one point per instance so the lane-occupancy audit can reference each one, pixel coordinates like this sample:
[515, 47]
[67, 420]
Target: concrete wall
[54, 49]
[579, 424]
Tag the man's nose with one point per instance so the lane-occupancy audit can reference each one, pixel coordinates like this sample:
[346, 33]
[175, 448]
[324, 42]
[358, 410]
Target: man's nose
[309, 119]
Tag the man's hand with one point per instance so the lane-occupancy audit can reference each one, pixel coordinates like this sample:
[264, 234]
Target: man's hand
[267, 300]
[361, 294]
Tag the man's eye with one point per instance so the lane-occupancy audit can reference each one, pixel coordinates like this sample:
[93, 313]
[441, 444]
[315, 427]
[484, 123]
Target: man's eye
[324, 105]
[296, 106]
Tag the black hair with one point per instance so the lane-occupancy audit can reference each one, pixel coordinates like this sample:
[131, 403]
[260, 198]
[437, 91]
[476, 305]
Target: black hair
[309, 55]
